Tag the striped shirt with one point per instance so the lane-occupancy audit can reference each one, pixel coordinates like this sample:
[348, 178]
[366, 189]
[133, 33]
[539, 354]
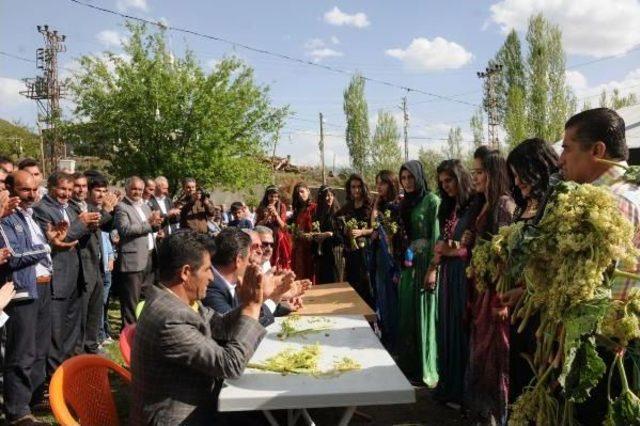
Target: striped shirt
[628, 196]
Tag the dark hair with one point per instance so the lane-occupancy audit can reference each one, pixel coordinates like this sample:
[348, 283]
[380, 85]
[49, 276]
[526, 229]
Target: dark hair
[56, 177]
[391, 180]
[323, 209]
[457, 171]
[534, 161]
[230, 243]
[297, 203]
[236, 206]
[28, 162]
[10, 182]
[365, 190]
[4, 160]
[271, 189]
[178, 250]
[495, 166]
[184, 181]
[78, 175]
[97, 181]
[601, 125]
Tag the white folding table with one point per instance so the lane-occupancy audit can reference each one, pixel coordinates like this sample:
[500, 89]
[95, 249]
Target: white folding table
[378, 382]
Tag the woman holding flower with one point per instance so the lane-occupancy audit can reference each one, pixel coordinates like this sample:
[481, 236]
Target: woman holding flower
[328, 243]
[452, 255]
[355, 215]
[272, 213]
[385, 268]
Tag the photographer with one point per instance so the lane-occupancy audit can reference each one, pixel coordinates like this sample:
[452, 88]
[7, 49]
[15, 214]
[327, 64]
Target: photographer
[195, 207]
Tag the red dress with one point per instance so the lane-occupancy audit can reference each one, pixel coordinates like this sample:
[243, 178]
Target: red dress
[302, 259]
[281, 256]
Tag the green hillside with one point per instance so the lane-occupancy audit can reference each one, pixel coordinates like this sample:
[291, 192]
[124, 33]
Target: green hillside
[13, 136]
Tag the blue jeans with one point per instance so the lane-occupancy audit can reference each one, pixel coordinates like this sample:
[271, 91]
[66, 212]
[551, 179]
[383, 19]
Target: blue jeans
[104, 328]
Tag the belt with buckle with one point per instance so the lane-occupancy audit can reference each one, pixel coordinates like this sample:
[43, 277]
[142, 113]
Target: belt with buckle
[44, 280]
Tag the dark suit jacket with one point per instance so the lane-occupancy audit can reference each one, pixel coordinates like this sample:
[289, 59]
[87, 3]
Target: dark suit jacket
[90, 247]
[168, 205]
[177, 363]
[219, 299]
[66, 263]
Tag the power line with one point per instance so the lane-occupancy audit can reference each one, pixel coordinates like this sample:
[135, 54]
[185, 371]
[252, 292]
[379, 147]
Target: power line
[268, 52]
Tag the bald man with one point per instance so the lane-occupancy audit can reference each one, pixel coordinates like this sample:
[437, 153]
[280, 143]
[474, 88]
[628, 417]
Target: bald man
[29, 324]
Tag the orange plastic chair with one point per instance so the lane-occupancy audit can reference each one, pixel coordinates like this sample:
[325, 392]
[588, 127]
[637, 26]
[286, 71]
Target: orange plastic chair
[125, 342]
[81, 386]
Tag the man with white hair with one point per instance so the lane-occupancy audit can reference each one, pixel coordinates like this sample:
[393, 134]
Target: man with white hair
[135, 223]
[266, 241]
[162, 202]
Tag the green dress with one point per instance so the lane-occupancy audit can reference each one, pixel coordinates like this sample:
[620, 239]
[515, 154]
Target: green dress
[418, 308]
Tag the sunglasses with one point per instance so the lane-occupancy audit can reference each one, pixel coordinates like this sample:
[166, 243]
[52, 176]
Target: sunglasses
[265, 245]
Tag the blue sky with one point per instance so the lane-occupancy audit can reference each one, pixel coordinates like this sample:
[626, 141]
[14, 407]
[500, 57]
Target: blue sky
[434, 46]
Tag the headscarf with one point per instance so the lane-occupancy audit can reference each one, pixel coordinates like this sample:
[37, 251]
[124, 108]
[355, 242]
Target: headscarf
[412, 199]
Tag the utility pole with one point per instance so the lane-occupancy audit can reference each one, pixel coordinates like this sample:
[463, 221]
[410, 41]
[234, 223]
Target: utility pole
[273, 157]
[406, 128]
[324, 174]
[490, 76]
[47, 90]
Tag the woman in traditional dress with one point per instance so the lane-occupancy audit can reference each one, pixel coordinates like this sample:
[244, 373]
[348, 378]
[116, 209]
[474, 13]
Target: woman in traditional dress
[531, 165]
[487, 378]
[452, 256]
[328, 244]
[418, 302]
[302, 219]
[385, 267]
[355, 216]
[272, 213]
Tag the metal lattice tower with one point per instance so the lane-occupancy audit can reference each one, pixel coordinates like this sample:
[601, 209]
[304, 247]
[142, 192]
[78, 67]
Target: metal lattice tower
[490, 76]
[47, 90]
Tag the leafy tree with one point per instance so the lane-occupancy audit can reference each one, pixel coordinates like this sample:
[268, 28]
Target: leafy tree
[477, 128]
[431, 159]
[152, 113]
[453, 150]
[617, 101]
[357, 131]
[385, 152]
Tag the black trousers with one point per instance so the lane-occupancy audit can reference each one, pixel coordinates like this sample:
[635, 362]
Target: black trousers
[132, 287]
[66, 314]
[28, 341]
[91, 318]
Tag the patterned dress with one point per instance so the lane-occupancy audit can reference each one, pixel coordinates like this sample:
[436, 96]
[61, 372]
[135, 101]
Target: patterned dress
[302, 256]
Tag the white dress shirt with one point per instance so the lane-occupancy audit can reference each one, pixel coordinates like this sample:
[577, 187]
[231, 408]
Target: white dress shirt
[37, 237]
[3, 318]
[138, 206]
[270, 304]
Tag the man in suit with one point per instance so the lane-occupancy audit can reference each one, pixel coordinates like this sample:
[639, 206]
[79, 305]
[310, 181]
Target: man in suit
[232, 256]
[135, 224]
[29, 325]
[66, 303]
[178, 364]
[89, 249]
[162, 202]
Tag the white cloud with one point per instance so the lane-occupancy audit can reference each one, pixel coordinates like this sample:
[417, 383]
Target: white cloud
[317, 50]
[576, 80]
[10, 96]
[110, 38]
[589, 27]
[124, 5]
[335, 40]
[629, 84]
[427, 55]
[337, 17]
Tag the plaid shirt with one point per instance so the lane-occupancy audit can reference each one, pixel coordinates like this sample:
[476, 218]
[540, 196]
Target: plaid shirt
[628, 197]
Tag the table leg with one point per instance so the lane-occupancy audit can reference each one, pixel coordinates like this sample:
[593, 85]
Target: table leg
[307, 417]
[272, 420]
[293, 416]
[346, 416]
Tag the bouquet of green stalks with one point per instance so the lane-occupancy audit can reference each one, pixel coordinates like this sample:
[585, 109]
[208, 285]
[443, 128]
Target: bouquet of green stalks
[351, 224]
[304, 361]
[288, 327]
[567, 263]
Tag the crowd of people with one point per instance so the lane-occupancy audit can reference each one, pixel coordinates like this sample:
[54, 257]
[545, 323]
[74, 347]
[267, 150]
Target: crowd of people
[211, 280]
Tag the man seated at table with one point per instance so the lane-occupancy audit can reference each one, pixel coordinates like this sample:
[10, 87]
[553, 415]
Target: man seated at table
[178, 364]
[233, 254]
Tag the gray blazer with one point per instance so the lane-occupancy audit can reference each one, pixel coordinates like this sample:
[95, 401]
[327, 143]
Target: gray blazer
[178, 367]
[66, 263]
[133, 250]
